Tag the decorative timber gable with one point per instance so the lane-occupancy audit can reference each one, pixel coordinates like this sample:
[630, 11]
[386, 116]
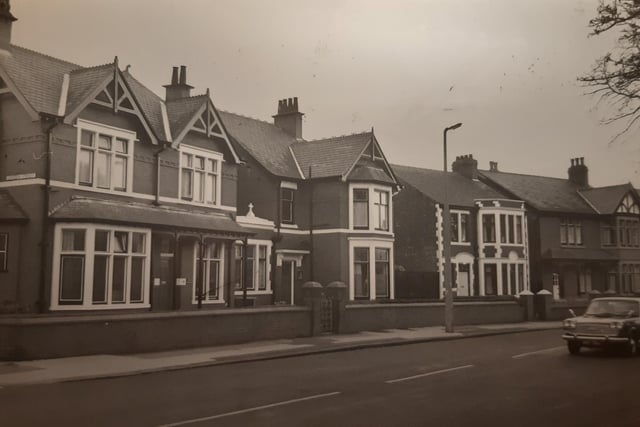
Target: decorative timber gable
[111, 92]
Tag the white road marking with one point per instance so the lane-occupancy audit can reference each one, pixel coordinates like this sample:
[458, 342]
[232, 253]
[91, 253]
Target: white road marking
[442, 371]
[545, 350]
[257, 408]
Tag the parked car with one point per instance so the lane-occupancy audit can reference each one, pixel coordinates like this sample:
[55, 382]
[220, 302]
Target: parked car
[608, 322]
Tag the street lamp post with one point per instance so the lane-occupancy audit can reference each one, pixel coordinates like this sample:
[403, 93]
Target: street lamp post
[446, 236]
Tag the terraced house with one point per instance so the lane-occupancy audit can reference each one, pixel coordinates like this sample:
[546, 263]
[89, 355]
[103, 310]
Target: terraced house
[489, 240]
[319, 209]
[111, 198]
[582, 238]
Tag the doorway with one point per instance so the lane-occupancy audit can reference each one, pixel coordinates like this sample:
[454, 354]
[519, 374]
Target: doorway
[288, 281]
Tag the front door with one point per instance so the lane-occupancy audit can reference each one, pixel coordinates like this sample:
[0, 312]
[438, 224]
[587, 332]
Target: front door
[163, 273]
[463, 283]
[288, 281]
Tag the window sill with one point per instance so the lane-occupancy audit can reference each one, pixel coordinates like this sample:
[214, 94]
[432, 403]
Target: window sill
[289, 225]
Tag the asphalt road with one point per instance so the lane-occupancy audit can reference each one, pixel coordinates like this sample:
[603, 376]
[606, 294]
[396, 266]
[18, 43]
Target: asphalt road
[525, 379]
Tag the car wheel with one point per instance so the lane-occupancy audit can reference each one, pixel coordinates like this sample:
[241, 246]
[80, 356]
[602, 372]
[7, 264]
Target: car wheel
[574, 347]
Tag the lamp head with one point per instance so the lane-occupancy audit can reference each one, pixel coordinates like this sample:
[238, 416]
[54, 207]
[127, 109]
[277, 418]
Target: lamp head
[456, 126]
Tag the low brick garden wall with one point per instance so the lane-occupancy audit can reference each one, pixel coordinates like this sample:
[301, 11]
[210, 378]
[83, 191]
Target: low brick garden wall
[373, 317]
[72, 335]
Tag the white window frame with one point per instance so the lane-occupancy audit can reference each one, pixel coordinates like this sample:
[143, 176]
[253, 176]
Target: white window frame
[113, 132]
[207, 155]
[372, 226]
[256, 243]
[205, 273]
[89, 253]
[460, 213]
[575, 225]
[371, 244]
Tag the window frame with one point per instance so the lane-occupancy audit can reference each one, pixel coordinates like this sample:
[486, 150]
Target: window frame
[460, 232]
[371, 245]
[287, 205]
[375, 210]
[205, 273]
[188, 151]
[115, 134]
[256, 285]
[571, 232]
[89, 254]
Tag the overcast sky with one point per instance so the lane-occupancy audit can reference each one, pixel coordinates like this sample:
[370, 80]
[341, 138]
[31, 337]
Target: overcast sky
[507, 69]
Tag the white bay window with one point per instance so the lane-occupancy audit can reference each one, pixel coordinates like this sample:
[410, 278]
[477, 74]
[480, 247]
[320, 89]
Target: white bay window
[100, 267]
[370, 207]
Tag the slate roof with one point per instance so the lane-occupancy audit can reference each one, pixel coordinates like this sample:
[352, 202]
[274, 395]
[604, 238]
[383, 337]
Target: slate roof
[149, 103]
[93, 209]
[461, 190]
[370, 173]
[331, 156]
[606, 199]
[10, 209]
[37, 76]
[181, 111]
[83, 81]
[540, 192]
[265, 142]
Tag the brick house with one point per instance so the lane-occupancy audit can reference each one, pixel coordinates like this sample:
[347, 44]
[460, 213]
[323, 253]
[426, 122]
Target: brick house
[489, 250]
[111, 198]
[320, 210]
[581, 238]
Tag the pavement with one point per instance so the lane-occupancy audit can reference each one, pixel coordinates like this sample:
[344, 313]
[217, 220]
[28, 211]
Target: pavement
[111, 366]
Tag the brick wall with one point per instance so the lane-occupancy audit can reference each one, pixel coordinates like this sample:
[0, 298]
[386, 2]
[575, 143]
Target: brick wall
[60, 336]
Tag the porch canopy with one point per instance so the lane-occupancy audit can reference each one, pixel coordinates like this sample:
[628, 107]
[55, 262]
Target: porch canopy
[87, 209]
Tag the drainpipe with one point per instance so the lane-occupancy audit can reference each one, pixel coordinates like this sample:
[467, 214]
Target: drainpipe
[276, 239]
[200, 272]
[310, 226]
[48, 123]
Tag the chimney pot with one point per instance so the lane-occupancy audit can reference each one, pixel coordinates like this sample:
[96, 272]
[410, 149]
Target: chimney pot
[183, 74]
[579, 172]
[174, 76]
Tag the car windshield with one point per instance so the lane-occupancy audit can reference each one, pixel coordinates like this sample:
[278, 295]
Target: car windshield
[612, 308]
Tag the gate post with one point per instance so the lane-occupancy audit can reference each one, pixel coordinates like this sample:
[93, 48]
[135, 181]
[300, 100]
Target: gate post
[312, 294]
[526, 300]
[337, 291]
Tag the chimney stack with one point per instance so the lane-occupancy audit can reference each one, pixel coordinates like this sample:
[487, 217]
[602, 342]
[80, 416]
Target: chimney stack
[579, 172]
[6, 22]
[178, 88]
[466, 166]
[289, 118]
[493, 166]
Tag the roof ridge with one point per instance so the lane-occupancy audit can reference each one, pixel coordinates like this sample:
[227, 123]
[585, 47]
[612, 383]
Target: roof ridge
[47, 56]
[604, 187]
[95, 67]
[338, 136]
[246, 117]
[525, 174]
[185, 98]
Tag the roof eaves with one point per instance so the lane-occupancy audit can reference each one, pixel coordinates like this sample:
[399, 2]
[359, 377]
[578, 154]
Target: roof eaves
[235, 155]
[344, 176]
[296, 162]
[33, 113]
[591, 205]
